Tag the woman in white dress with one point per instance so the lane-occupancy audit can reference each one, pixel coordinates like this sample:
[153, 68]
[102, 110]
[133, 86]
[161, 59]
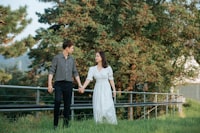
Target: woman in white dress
[103, 105]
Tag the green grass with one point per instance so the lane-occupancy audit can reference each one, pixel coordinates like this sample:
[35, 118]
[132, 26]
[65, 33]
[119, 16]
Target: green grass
[190, 123]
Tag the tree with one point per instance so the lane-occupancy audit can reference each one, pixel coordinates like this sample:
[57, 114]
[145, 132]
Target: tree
[13, 23]
[5, 77]
[142, 39]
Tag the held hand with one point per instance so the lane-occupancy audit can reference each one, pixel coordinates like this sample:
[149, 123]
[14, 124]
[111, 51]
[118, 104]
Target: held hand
[81, 90]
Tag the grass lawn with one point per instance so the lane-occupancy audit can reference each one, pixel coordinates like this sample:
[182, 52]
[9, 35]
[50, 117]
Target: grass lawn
[189, 122]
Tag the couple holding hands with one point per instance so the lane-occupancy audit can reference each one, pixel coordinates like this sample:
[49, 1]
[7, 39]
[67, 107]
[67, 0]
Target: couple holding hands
[63, 68]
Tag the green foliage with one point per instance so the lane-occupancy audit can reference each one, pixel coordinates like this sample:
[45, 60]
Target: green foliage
[142, 39]
[191, 108]
[12, 23]
[4, 77]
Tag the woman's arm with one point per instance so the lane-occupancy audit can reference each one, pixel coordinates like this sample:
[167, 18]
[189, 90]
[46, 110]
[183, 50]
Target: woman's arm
[87, 81]
[112, 83]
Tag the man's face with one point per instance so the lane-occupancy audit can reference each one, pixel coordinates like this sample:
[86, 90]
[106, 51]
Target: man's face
[70, 49]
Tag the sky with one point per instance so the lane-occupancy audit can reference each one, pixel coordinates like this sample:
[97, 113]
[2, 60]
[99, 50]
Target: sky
[33, 6]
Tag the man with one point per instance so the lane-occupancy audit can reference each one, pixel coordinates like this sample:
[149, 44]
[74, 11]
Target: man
[63, 69]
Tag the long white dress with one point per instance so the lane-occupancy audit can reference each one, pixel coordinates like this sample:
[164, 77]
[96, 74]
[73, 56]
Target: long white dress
[103, 105]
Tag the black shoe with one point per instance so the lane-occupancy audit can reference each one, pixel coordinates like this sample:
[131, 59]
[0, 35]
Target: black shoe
[65, 124]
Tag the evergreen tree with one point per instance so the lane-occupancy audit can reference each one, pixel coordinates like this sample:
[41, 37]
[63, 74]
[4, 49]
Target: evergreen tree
[13, 23]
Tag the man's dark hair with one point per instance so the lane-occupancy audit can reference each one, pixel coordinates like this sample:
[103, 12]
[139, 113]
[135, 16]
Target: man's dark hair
[67, 43]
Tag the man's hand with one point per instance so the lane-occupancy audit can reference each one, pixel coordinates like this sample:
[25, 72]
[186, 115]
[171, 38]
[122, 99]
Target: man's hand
[50, 86]
[50, 89]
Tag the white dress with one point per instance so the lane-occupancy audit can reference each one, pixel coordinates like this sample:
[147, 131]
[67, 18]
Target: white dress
[103, 105]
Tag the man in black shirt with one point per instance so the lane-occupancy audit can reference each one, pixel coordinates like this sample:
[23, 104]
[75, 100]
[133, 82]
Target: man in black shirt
[63, 69]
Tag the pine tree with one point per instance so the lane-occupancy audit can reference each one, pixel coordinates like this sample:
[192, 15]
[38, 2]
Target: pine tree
[13, 23]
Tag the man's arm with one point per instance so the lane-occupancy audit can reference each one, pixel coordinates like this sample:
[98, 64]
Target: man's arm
[50, 86]
[78, 81]
[52, 71]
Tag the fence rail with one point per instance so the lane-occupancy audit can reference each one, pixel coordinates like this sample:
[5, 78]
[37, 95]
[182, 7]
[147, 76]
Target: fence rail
[13, 98]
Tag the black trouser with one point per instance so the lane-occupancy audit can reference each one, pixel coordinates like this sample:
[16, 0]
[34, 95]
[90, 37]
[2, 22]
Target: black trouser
[62, 88]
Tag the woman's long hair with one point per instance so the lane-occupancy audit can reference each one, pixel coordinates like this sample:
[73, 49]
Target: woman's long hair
[104, 61]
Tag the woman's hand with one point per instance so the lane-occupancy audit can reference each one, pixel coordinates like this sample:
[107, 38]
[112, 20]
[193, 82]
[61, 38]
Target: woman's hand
[114, 93]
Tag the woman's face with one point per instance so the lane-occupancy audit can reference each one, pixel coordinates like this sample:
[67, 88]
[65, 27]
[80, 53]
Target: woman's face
[98, 58]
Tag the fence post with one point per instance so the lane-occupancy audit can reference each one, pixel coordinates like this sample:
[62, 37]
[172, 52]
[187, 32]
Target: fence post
[37, 100]
[131, 108]
[174, 107]
[167, 100]
[72, 110]
[38, 97]
[156, 109]
[144, 105]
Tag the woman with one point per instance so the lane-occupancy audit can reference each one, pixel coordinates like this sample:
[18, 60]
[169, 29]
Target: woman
[103, 105]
